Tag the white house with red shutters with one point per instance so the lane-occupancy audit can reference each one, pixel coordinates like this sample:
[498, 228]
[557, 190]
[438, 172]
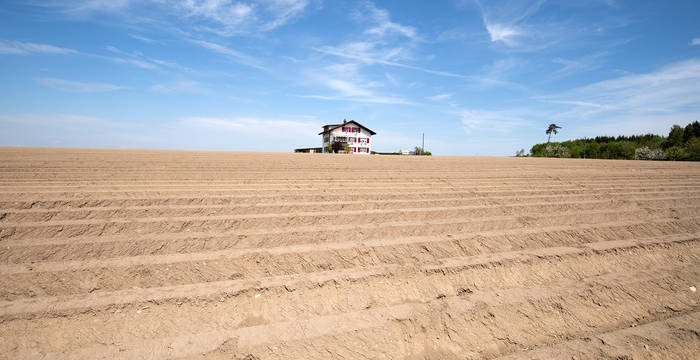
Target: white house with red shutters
[348, 134]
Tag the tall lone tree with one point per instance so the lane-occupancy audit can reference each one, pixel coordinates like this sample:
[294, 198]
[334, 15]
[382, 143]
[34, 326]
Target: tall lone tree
[552, 129]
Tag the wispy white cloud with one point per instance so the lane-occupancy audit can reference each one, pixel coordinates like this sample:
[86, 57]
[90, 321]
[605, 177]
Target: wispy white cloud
[491, 120]
[78, 86]
[345, 83]
[695, 42]
[582, 64]
[223, 17]
[136, 62]
[102, 5]
[138, 59]
[378, 42]
[630, 103]
[231, 18]
[504, 33]
[172, 65]
[283, 12]
[439, 97]
[25, 48]
[391, 79]
[181, 86]
[497, 74]
[387, 43]
[364, 99]
[142, 38]
[82, 8]
[664, 90]
[382, 24]
[347, 88]
[225, 13]
[522, 26]
[113, 49]
[367, 54]
[382, 42]
[236, 56]
[505, 22]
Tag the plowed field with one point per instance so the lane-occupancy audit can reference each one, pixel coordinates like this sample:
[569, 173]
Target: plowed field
[175, 254]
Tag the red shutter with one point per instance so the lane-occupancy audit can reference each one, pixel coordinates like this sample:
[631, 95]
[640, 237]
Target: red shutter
[368, 140]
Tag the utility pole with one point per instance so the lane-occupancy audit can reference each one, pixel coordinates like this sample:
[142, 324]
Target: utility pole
[422, 146]
[584, 147]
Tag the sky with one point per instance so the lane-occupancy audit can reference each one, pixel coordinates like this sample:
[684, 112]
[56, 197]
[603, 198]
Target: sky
[477, 77]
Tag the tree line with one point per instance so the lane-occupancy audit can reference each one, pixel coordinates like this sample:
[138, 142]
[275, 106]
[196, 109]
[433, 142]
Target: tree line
[682, 143]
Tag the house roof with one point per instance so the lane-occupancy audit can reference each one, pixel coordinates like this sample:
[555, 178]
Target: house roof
[335, 126]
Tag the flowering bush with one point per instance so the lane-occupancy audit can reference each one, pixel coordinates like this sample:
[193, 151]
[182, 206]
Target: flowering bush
[645, 153]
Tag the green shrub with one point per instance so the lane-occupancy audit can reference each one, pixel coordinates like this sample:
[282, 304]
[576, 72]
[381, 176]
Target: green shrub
[692, 148]
[676, 153]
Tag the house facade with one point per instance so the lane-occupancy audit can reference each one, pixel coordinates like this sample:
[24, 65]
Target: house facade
[349, 134]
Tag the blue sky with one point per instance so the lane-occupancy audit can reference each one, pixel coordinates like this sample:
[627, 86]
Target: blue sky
[478, 77]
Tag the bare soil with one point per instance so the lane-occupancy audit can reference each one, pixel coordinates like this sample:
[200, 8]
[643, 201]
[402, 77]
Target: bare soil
[220, 255]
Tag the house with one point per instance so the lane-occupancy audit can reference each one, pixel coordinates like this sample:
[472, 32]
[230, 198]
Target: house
[349, 134]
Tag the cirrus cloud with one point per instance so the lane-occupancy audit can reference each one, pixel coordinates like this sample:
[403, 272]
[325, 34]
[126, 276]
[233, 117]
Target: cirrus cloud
[11, 47]
[78, 86]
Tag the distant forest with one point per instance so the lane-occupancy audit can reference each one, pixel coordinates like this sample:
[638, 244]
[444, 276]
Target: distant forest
[680, 144]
